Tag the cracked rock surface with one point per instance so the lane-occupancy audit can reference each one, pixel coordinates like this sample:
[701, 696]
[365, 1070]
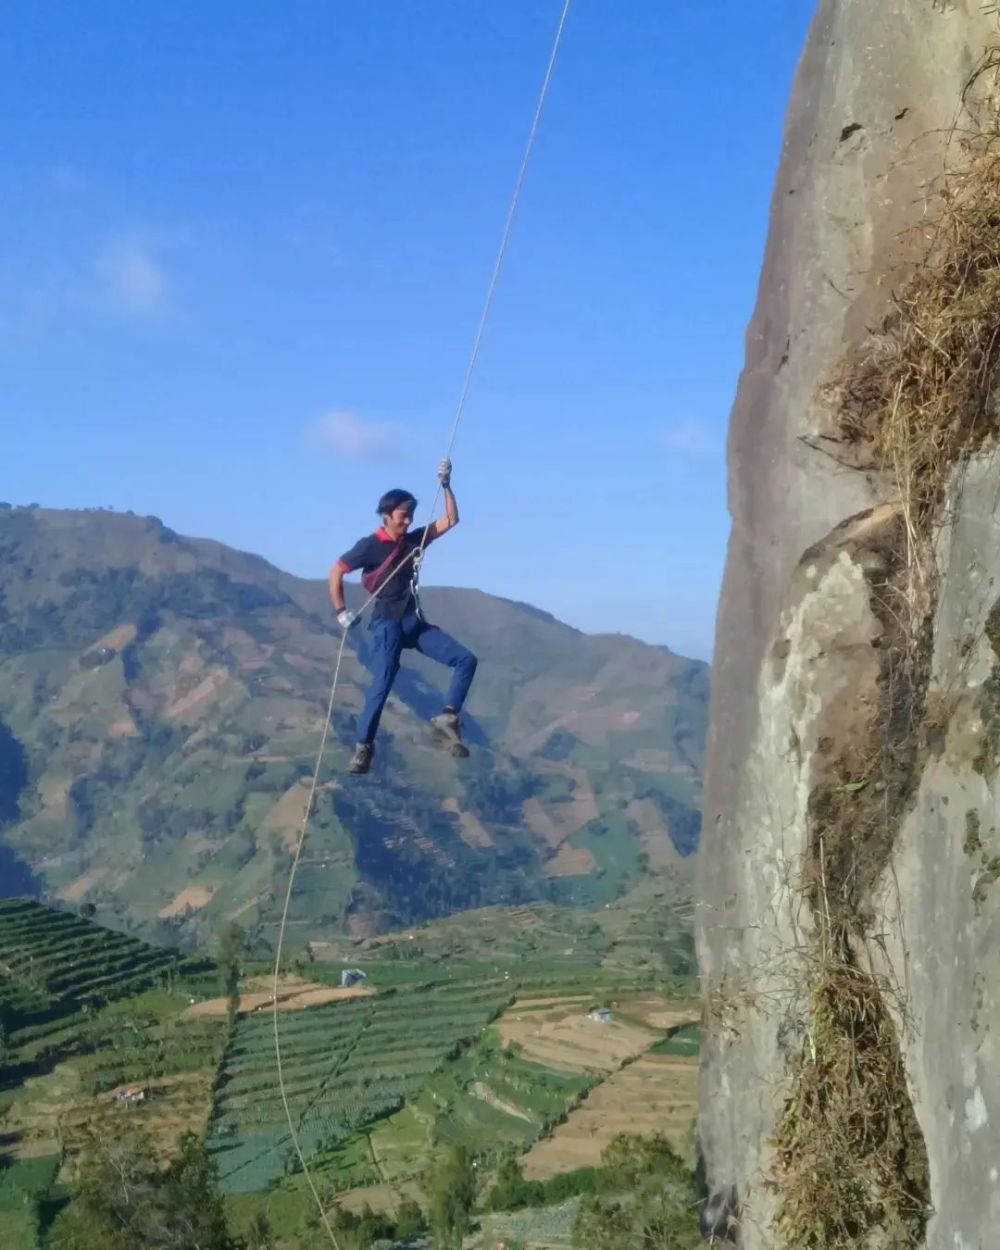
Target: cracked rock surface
[877, 95]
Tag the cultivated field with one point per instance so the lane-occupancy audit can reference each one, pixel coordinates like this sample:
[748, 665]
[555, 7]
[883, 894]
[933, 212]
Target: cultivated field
[49, 955]
[654, 1094]
[144, 1042]
[57, 1114]
[346, 1066]
[86, 1010]
[432, 1051]
[563, 1036]
[492, 1100]
[294, 994]
[549, 1081]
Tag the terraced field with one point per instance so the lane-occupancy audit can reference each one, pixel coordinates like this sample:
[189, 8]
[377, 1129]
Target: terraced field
[347, 1066]
[48, 955]
[86, 1009]
[18, 1000]
[550, 1228]
[59, 1112]
[562, 1035]
[654, 1094]
[438, 1054]
[492, 1100]
[75, 1064]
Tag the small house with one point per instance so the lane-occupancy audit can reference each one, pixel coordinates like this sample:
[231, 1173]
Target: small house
[352, 976]
[601, 1015]
[130, 1096]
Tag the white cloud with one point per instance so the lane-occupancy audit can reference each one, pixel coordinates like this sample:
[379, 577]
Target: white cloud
[126, 277]
[132, 279]
[351, 437]
[693, 438]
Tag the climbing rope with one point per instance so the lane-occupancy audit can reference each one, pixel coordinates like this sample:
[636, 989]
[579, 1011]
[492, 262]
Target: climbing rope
[415, 557]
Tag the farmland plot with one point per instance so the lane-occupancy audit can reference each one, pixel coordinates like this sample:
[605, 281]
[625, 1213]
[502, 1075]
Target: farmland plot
[141, 1041]
[47, 955]
[655, 1094]
[492, 1100]
[346, 1065]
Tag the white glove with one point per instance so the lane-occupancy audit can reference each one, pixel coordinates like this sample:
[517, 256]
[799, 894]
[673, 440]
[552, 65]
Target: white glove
[444, 472]
[346, 619]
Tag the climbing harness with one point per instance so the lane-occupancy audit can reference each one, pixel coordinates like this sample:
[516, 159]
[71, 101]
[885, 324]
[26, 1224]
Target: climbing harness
[418, 559]
[413, 559]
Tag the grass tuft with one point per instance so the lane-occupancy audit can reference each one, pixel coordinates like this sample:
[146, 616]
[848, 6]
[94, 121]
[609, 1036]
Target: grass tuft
[922, 393]
[851, 1167]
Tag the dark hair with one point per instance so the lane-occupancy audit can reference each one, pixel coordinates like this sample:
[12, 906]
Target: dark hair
[393, 499]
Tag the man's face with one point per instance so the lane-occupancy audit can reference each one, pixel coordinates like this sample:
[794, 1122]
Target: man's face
[399, 520]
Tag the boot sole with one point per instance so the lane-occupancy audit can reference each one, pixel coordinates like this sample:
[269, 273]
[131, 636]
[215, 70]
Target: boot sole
[440, 738]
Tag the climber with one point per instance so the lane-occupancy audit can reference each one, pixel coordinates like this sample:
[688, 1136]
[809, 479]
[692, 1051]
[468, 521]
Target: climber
[389, 561]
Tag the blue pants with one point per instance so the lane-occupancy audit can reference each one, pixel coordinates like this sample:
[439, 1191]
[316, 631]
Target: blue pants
[391, 638]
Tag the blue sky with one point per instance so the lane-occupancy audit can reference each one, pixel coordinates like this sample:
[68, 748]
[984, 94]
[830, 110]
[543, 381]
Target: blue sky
[245, 248]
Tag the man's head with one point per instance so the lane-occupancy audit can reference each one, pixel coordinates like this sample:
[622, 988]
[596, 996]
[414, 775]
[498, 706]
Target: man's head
[396, 508]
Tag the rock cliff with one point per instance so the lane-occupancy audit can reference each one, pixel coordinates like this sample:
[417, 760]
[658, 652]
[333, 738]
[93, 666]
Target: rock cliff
[849, 921]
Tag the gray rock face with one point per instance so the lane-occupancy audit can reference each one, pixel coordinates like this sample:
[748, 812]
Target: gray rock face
[941, 902]
[796, 663]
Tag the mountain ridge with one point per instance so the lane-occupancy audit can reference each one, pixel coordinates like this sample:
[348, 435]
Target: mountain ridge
[169, 693]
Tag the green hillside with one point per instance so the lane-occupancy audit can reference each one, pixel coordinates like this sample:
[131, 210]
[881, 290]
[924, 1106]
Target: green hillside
[443, 1047]
[161, 699]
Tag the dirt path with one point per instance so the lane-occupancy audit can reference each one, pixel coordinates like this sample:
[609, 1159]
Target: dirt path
[486, 1095]
[191, 898]
[473, 832]
[77, 888]
[379, 1197]
[293, 995]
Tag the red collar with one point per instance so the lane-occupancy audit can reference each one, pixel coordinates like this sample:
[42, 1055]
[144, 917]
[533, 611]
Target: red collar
[383, 535]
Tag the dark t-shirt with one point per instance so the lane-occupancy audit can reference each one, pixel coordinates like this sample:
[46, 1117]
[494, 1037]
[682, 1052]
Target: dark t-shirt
[369, 553]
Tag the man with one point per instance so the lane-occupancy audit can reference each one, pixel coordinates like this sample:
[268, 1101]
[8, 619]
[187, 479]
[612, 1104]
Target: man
[388, 568]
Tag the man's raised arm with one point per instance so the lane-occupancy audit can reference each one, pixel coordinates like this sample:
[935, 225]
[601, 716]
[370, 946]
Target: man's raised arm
[450, 518]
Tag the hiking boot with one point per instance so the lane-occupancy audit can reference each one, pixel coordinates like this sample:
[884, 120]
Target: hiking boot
[361, 760]
[447, 732]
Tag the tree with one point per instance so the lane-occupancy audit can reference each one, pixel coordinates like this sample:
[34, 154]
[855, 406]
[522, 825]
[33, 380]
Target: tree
[512, 1190]
[451, 1190]
[650, 1204]
[190, 1203]
[410, 1221]
[261, 1235]
[232, 944]
[371, 1227]
[122, 1200]
[630, 1158]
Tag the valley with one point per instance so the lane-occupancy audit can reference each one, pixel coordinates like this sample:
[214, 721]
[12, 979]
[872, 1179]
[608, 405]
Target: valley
[523, 922]
[544, 1062]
